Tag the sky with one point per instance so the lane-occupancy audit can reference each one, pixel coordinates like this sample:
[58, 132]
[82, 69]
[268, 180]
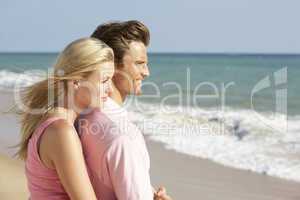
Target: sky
[197, 26]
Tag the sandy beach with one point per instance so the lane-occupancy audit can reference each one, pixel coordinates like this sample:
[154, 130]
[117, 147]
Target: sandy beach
[12, 179]
[188, 177]
[185, 177]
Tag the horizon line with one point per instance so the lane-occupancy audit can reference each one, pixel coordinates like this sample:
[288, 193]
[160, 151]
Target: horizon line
[171, 53]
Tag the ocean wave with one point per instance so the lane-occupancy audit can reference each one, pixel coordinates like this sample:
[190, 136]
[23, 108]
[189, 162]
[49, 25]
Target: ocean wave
[239, 138]
[10, 80]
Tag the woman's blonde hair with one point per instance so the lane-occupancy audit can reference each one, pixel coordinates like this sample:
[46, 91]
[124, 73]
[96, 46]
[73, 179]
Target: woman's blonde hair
[75, 62]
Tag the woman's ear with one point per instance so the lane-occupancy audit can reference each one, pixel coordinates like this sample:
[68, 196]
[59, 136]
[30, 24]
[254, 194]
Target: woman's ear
[73, 84]
[76, 84]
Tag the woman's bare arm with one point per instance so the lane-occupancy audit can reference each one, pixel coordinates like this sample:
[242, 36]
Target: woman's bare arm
[62, 149]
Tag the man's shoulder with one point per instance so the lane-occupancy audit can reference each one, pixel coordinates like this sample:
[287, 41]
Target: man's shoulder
[97, 126]
[113, 109]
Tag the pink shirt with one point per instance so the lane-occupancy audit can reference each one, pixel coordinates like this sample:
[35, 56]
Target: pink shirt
[43, 182]
[116, 154]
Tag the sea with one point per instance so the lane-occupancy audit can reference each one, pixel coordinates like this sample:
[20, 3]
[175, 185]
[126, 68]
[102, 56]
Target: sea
[239, 110]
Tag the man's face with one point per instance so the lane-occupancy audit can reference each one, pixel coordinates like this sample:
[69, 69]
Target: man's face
[134, 69]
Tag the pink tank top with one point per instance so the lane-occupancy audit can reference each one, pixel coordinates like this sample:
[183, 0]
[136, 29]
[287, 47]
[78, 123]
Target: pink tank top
[43, 182]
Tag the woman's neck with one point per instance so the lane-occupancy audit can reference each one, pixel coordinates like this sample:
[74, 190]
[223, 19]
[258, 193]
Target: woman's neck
[61, 109]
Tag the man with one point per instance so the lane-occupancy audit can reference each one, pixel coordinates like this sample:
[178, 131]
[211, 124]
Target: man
[119, 161]
[128, 41]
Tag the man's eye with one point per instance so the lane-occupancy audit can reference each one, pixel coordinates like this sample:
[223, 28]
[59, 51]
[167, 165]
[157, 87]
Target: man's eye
[141, 64]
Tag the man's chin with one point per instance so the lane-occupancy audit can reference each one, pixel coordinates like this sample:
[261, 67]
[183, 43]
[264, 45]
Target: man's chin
[138, 92]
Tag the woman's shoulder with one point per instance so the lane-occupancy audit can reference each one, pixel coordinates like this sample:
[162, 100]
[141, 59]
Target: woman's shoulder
[59, 126]
[59, 134]
[57, 137]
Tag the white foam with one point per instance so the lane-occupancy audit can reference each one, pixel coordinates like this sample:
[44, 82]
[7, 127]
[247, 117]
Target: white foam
[235, 138]
[243, 139]
[9, 79]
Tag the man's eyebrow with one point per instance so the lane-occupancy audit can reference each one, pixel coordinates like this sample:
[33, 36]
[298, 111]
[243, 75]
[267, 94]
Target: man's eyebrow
[141, 61]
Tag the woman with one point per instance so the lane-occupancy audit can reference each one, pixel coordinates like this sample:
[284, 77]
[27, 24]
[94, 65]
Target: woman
[55, 166]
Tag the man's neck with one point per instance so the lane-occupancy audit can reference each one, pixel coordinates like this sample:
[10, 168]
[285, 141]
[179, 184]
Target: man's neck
[117, 96]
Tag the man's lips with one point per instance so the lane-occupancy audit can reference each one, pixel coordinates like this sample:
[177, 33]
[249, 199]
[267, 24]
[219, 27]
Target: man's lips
[139, 82]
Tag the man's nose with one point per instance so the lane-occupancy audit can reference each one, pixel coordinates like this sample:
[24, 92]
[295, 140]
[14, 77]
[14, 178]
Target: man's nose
[145, 71]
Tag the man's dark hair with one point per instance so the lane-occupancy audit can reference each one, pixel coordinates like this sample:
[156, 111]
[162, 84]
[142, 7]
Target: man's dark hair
[118, 35]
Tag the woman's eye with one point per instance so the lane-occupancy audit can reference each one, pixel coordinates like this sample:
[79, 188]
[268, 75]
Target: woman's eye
[106, 80]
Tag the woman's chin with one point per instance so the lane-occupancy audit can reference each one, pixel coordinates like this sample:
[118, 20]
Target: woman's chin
[103, 99]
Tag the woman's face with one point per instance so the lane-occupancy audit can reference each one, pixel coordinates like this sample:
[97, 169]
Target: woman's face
[93, 91]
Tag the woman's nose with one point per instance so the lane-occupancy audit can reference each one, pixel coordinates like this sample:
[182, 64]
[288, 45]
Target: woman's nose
[109, 88]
